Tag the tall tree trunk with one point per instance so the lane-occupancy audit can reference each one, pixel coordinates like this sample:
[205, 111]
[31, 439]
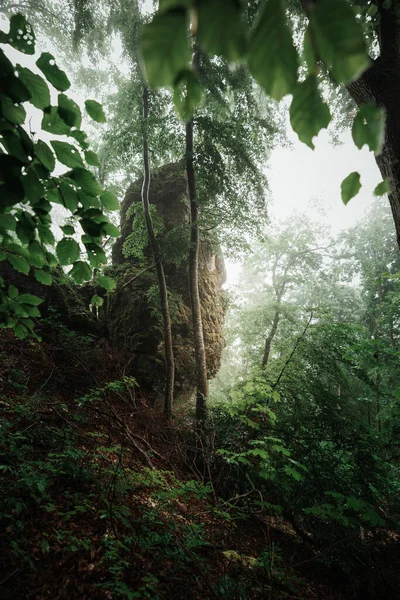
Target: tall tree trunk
[168, 349]
[270, 338]
[199, 346]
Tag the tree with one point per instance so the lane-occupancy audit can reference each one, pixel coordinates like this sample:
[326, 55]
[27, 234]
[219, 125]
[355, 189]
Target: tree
[162, 285]
[335, 47]
[29, 188]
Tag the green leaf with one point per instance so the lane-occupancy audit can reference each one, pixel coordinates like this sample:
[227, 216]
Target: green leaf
[53, 123]
[107, 283]
[369, 127]
[308, 112]
[382, 188]
[13, 113]
[43, 277]
[69, 196]
[166, 5]
[96, 255]
[20, 331]
[11, 193]
[339, 39]
[34, 188]
[81, 272]
[18, 263]
[37, 256]
[14, 145]
[221, 28]
[25, 227]
[53, 74]
[110, 229]
[67, 154]
[309, 52]
[96, 301]
[187, 95]
[20, 36]
[51, 259]
[29, 299]
[95, 111]
[272, 57]
[109, 201]
[12, 292]
[92, 159]
[45, 155]
[68, 230]
[17, 249]
[69, 111]
[165, 47]
[87, 181]
[40, 94]
[80, 137]
[350, 186]
[7, 223]
[14, 88]
[67, 251]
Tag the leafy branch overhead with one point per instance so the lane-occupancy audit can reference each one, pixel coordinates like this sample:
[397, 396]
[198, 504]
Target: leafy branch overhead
[334, 46]
[29, 189]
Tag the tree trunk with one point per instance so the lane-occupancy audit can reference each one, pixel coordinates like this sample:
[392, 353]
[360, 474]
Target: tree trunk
[270, 338]
[199, 346]
[168, 349]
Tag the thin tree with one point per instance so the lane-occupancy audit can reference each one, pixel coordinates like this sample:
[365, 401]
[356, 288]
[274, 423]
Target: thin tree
[199, 345]
[162, 284]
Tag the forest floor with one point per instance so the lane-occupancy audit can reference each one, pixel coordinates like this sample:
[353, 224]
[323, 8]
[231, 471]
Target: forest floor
[100, 498]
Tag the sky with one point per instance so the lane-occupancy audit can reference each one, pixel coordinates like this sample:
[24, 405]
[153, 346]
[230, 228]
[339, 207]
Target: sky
[297, 175]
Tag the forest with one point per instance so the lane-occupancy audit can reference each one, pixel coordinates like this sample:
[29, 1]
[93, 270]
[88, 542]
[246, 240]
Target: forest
[199, 299]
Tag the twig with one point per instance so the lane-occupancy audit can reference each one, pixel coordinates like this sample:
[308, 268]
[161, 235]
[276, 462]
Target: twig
[292, 352]
[9, 576]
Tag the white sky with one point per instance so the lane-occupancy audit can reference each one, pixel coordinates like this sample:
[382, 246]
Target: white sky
[298, 174]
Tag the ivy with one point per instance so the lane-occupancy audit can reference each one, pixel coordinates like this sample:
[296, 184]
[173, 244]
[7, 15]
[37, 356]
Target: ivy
[28, 190]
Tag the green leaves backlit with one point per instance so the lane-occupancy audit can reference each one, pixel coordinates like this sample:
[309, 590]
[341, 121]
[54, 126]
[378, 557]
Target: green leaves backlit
[308, 112]
[272, 57]
[187, 95]
[38, 88]
[369, 127]
[165, 47]
[68, 251]
[53, 74]
[339, 39]
[20, 36]
[67, 154]
[350, 187]
[28, 189]
[221, 28]
[95, 111]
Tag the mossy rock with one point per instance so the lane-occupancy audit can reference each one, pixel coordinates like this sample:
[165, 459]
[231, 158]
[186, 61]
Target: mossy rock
[131, 322]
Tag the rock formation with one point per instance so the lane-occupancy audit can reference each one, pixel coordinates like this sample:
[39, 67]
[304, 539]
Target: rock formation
[133, 322]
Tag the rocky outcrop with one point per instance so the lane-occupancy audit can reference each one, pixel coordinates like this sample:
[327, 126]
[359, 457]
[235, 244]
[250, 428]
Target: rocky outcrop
[133, 320]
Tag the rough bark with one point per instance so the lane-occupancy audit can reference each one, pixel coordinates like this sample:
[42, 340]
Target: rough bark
[199, 346]
[168, 348]
[270, 338]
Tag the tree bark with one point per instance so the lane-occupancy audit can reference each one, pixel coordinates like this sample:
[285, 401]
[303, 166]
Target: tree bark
[168, 348]
[270, 338]
[199, 346]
